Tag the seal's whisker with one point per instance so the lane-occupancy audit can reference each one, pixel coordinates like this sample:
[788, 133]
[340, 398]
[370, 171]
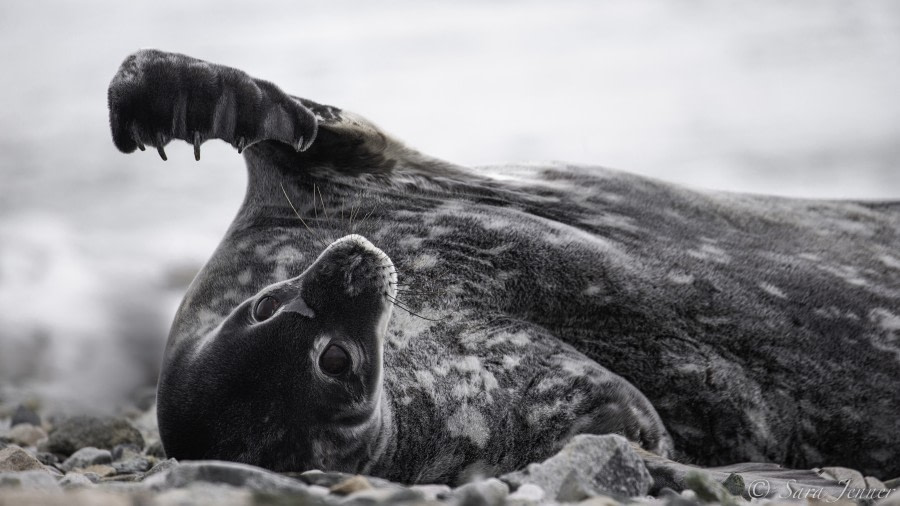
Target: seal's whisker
[353, 214]
[316, 190]
[408, 292]
[394, 302]
[369, 214]
[315, 235]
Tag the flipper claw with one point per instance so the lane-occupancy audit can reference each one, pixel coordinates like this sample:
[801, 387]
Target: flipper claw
[160, 142]
[197, 146]
[241, 144]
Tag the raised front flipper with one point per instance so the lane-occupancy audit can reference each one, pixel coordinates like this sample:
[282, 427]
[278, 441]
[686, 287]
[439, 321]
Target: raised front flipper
[156, 97]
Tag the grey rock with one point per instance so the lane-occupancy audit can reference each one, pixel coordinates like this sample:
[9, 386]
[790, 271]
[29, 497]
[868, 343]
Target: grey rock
[25, 434]
[318, 491]
[892, 483]
[76, 432]
[874, 483]
[322, 478]
[482, 492]
[14, 458]
[527, 494]
[156, 450]
[763, 480]
[126, 451]
[211, 494]
[677, 499]
[29, 480]
[588, 465]
[351, 485]
[137, 464]
[225, 473]
[25, 414]
[845, 476]
[93, 477]
[329, 479]
[599, 500]
[374, 496]
[736, 486]
[86, 457]
[708, 489]
[48, 459]
[125, 487]
[75, 480]
[54, 471]
[164, 465]
[432, 492]
[102, 470]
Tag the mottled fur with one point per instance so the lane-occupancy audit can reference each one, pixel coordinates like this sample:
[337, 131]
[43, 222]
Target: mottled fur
[759, 328]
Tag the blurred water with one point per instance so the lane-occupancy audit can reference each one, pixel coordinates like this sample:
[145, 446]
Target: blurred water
[794, 98]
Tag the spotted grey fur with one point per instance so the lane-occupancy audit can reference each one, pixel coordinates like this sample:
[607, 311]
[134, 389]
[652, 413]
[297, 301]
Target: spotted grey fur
[760, 328]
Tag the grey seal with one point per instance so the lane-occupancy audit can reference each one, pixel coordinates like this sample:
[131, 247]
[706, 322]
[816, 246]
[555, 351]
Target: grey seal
[506, 309]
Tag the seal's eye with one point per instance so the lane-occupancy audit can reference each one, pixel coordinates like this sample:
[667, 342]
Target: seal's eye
[335, 360]
[265, 308]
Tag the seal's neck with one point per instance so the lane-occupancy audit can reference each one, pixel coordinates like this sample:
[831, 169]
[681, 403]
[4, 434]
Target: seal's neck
[365, 448]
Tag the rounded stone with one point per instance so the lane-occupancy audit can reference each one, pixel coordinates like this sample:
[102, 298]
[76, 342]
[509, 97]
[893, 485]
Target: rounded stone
[100, 432]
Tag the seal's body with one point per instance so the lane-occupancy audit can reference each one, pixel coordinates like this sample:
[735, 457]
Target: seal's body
[535, 302]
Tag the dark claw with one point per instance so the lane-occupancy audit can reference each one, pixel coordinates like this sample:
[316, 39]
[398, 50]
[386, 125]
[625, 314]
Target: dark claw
[241, 143]
[197, 146]
[137, 138]
[160, 142]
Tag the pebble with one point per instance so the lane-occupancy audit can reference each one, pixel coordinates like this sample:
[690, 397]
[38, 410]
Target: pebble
[528, 493]
[156, 450]
[323, 479]
[101, 470]
[86, 457]
[137, 464]
[588, 465]
[77, 432]
[351, 485]
[25, 415]
[708, 489]
[75, 480]
[224, 473]
[48, 459]
[14, 458]
[125, 451]
[25, 434]
[432, 492]
[842, 474]
[375, 496]
[93, 477]
[160, 467]
[486, 492]
[208, 494]
[29, 480]
[735, 485]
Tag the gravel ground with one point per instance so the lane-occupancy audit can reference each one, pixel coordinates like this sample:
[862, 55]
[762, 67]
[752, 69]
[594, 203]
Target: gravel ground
[51, 459]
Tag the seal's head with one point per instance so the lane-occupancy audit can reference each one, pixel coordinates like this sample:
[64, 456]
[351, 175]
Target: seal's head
[291, 379]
